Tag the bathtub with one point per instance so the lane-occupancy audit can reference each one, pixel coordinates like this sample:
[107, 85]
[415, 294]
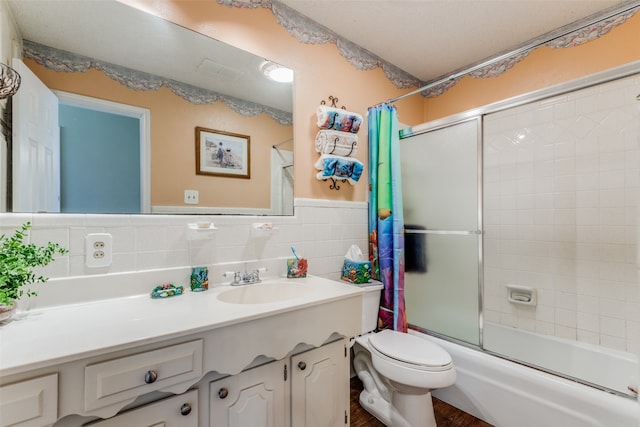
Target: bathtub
[507, 394]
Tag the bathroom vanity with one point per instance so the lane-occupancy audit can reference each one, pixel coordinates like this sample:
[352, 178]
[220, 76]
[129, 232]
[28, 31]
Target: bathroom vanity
[275, 351]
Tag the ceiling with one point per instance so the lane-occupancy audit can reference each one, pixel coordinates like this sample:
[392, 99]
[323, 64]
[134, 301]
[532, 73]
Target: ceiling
[432, 38]
[425, 38]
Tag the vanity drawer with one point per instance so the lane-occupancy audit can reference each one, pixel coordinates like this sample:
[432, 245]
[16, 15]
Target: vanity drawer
[30, 403]
[175, 411]
[128, 377]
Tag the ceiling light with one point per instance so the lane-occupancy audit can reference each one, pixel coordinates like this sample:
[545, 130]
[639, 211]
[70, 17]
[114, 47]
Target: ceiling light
[277, 72]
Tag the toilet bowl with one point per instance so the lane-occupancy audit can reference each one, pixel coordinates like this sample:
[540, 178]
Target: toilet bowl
[398, 372]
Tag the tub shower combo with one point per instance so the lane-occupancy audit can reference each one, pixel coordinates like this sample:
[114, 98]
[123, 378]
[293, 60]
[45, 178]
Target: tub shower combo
[521, 231]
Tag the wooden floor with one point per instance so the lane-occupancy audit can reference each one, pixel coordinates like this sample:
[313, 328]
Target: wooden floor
[446, 415]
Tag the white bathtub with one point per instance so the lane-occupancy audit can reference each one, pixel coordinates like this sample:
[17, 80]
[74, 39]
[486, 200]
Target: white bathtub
[615, 370]
[507, 394]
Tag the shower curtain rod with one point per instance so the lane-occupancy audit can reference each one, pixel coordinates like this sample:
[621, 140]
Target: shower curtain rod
[526, 47]
[281, 143]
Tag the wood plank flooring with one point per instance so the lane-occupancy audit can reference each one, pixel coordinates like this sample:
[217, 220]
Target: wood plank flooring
[446, 415]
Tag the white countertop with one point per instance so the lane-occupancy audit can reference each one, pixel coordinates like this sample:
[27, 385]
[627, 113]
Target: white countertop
[52, 335]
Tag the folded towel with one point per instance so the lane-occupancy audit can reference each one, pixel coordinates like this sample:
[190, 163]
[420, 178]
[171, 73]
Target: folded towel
[338, 119]
[336, 142]
[339, 168]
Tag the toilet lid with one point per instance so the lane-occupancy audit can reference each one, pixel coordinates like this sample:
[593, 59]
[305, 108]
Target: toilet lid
[409, 349]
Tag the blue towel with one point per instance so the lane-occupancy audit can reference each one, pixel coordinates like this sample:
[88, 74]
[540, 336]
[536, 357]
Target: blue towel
[339, 167]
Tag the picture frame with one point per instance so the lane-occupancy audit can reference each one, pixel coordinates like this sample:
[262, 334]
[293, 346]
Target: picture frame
[220, 153]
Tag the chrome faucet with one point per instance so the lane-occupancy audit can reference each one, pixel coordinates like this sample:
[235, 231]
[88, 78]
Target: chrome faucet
[246, 278]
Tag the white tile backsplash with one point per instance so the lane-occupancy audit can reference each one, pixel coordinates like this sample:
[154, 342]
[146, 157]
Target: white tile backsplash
[321, 231]
[560, 214]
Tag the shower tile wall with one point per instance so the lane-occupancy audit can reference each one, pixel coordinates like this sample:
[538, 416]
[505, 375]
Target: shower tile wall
[561, 184]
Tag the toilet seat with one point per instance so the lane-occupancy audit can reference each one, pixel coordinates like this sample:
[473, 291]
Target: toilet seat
[410, 351]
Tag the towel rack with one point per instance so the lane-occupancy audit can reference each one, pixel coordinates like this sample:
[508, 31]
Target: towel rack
[335, 144]
[334, 103]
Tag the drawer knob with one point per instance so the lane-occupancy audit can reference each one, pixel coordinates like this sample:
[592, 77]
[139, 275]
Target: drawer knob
[302, 366]
[185, 409]
[150, 377]
[223, 392]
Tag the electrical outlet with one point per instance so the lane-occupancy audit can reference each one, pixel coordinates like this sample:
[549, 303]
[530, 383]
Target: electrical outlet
[98, 248]
[191, 197]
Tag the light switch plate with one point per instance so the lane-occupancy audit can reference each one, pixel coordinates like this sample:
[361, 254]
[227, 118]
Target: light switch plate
[191, 197]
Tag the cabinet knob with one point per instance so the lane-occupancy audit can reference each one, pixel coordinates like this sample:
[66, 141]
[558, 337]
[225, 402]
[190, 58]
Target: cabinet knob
[302, 366]
[185, 409]
[150, 377]
[222, 393]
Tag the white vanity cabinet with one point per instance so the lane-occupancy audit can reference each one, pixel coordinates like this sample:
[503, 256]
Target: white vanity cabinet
[320, 387]
[70, 377]
[175, 411]
[312, 386]
[29, 403]
[256, 397]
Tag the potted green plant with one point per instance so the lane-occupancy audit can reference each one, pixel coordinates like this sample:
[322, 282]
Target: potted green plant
[17, 262]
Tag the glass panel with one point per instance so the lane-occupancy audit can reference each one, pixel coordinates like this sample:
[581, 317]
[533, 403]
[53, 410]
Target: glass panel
[440, 193]
[439, 178]
[444, 298]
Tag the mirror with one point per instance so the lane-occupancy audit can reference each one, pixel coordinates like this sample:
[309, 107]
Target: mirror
[106, 57]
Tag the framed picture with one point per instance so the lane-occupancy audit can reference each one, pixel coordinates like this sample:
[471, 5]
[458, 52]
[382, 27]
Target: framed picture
[221, 153]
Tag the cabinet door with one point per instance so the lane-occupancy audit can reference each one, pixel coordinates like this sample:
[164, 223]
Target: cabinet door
[30, 403]
[175, 411]
[254, 398]
[320, 387]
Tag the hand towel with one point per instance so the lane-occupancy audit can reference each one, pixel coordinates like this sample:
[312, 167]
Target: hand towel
[335, 142]
[338, 167]
[338, 119]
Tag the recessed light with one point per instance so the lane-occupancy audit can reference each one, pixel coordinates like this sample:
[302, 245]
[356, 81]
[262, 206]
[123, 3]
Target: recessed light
[277, 72]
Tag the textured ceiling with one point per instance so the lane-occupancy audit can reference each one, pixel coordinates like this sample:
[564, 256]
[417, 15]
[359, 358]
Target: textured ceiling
[431, 38]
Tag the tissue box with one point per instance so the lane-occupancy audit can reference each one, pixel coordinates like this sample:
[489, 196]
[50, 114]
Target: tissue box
[356, 271]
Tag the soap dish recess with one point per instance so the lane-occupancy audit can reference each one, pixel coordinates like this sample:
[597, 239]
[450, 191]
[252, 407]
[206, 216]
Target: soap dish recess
[524, 295]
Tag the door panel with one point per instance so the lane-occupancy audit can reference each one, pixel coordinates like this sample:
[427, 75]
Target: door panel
[36, 145]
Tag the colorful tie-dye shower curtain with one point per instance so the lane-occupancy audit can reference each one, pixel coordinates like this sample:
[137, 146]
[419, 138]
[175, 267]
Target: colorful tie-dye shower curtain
[386, 238]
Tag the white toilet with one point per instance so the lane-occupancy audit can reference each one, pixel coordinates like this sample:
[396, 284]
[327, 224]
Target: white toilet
[398, 370]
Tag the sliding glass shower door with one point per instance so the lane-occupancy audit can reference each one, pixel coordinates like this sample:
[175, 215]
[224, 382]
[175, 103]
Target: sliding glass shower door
[441, 193]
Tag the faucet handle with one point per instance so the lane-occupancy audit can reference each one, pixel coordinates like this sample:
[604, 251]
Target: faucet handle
[235, 274]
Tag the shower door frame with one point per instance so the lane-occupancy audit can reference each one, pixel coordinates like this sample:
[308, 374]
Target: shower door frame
[606, 76]
[479, 229]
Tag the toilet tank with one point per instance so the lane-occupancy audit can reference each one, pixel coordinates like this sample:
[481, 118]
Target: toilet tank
[370, 305]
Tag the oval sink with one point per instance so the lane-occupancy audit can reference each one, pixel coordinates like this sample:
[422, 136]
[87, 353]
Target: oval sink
[262, 293]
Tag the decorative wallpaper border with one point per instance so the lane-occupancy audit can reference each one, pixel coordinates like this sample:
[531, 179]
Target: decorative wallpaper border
[62, 61]
[306, 30]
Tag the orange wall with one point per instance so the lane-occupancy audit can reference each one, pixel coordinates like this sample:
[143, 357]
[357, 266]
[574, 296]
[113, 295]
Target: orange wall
[173, 123]
[320, 71]
[542, 68]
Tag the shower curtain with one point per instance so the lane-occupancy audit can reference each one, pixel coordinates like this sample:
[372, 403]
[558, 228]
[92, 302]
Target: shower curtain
[386, 238]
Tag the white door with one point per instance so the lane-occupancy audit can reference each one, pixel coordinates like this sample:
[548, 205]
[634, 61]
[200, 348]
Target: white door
[36, 145]
[320, 387]
[254, 398]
